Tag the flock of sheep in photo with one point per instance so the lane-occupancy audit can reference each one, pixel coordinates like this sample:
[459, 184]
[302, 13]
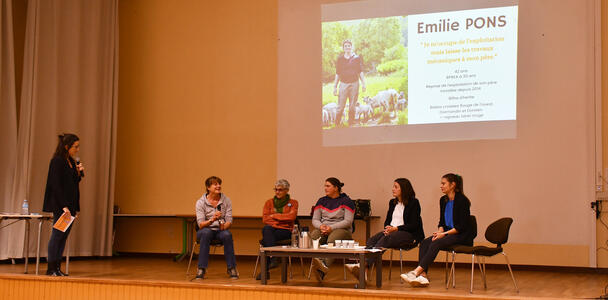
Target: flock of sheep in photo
[371, 112]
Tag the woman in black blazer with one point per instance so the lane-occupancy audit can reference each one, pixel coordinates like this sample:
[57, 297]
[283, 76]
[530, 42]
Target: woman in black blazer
[403, 224]
[454, 228]
[62, 195]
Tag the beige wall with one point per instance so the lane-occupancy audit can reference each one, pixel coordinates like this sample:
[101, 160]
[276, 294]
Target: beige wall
[197, 97]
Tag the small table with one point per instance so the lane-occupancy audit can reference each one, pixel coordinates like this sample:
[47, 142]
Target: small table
[361, 254]
[26, 244]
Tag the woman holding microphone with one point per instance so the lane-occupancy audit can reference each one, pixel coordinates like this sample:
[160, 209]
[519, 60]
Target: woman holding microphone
[62, 195]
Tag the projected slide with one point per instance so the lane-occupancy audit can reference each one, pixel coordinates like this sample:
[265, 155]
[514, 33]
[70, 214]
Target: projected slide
[462, 66]
[397, 78]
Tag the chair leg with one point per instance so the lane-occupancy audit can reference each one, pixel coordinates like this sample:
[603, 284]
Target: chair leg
[390, 266]
[344, 267]
[400, 265]
[481, 270]
[310, 269]
[510, 271]
[452, 273]
[257, 261]
[446, 270]
[302, 266]
[472, 270]
[190, 261]
[290, 270]
[400, 262]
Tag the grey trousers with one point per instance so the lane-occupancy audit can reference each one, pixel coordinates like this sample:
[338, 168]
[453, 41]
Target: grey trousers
[350, 91]
[336, 234]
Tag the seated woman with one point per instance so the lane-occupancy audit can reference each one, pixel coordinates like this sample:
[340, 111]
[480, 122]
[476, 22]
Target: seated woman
[279, 216]
[332, 219]
[214, 217]
[403, 224]
[454, 228]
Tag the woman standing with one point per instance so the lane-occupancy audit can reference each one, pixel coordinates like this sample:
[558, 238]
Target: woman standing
[403, 224]
[332, 218]
[454, 228]
[62, 195]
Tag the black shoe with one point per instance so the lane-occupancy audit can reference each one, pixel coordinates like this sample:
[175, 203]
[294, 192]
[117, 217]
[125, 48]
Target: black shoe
[200, 274]
[59, 273]
[234, 274]
[320, 275]
[51, 268]
[259, 277]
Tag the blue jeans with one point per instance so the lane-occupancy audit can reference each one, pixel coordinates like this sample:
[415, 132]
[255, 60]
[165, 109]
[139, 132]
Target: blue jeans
[205, 236]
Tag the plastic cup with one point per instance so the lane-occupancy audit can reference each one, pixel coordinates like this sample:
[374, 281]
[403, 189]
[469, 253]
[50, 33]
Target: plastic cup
[315, 244]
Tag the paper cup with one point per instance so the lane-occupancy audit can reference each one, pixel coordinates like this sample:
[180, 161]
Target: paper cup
[315, 244]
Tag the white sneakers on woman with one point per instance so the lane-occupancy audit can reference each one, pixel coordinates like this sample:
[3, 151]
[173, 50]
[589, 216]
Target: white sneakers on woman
[415, 281]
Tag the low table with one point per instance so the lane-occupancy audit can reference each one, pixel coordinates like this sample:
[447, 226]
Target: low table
[27, 218]
[361, 254]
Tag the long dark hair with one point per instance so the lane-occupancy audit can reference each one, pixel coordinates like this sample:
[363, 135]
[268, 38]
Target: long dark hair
[335, 182]
[407, 190]
[457, 179]
[66, 141]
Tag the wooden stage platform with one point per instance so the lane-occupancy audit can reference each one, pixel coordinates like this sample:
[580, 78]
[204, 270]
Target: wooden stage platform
[158, 277]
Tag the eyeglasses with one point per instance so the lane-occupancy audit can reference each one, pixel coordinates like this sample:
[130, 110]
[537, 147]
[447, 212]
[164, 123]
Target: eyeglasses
[279, 190]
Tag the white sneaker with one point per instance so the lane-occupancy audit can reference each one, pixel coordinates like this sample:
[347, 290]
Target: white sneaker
[409, 276]
[420, 281]
[354, 270]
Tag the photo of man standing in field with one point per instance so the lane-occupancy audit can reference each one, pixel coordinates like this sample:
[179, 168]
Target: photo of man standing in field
[374, 78]
[349, 70]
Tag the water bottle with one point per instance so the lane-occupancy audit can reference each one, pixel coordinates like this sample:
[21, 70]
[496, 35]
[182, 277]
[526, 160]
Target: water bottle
[295, 234]
[25, 208]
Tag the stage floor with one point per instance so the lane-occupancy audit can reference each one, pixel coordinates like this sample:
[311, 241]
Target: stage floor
[162, 269]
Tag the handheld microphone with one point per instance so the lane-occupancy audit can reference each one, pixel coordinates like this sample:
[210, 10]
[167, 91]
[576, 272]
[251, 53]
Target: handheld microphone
[77, 163]
[219, 208]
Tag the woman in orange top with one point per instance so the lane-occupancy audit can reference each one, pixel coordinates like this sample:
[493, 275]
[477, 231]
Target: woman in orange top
[279, 216]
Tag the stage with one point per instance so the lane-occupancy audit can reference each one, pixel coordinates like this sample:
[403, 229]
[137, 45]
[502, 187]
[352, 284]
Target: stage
[159, 277]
